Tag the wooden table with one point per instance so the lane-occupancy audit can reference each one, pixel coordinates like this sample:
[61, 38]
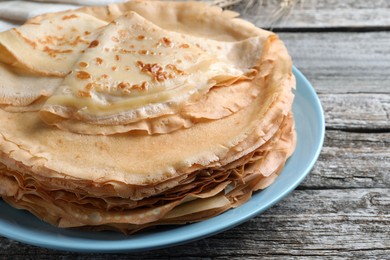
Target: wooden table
[342, 209]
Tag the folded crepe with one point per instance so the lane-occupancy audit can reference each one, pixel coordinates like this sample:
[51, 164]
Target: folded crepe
[141, 114]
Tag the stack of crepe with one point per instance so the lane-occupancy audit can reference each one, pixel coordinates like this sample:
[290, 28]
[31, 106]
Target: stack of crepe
[141, 114]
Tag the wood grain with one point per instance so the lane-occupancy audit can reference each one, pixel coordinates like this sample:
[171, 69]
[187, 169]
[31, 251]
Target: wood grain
[319, 14]
[351, 160]
[342, 62]
[368, 112]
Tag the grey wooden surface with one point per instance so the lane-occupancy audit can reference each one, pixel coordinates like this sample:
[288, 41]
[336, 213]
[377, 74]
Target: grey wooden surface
[342, 209]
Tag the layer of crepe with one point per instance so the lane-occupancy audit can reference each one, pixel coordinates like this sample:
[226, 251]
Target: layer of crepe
[110, 107]
[211, 192]
[163, 79]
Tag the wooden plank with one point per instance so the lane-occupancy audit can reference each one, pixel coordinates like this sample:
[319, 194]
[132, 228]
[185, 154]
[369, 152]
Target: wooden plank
[317, 13]
[357, 112]
[351, 160]
[336, 224]
[342, 62]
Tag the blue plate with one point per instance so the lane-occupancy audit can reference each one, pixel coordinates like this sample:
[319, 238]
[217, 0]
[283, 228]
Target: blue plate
[22, 226]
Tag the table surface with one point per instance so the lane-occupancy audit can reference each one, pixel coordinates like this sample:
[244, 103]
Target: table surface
[342, 209]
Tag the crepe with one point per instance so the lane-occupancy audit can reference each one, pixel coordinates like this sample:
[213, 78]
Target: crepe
[149, 65]
[161, 113]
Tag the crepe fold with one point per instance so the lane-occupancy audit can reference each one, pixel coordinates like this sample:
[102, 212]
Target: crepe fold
[141, 114]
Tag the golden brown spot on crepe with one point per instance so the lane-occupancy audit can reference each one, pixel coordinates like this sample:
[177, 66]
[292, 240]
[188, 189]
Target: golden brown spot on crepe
[184, 46]
[155, 70]
[175, 69]
[82, 93]
[106, 49]
[87, 33]
[166, 41]
[143, 52]
[77, 41]
[123, 85]
[88, 86]
[141, 37]
[114, 68]
[59, 27]
[67, 17]
[123, 51]
[61, 41]
[83, 75]
[127, 68]
[117, 58]
[83, 64]
[93, 44]
[114, 39]
[105, 76]
[53, 52]
[99, 61]
[122, 33]
[49, 39]
[143, 86]
[27, 40]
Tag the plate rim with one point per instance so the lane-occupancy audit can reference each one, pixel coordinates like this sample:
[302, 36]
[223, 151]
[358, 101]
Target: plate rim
[127, 245]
